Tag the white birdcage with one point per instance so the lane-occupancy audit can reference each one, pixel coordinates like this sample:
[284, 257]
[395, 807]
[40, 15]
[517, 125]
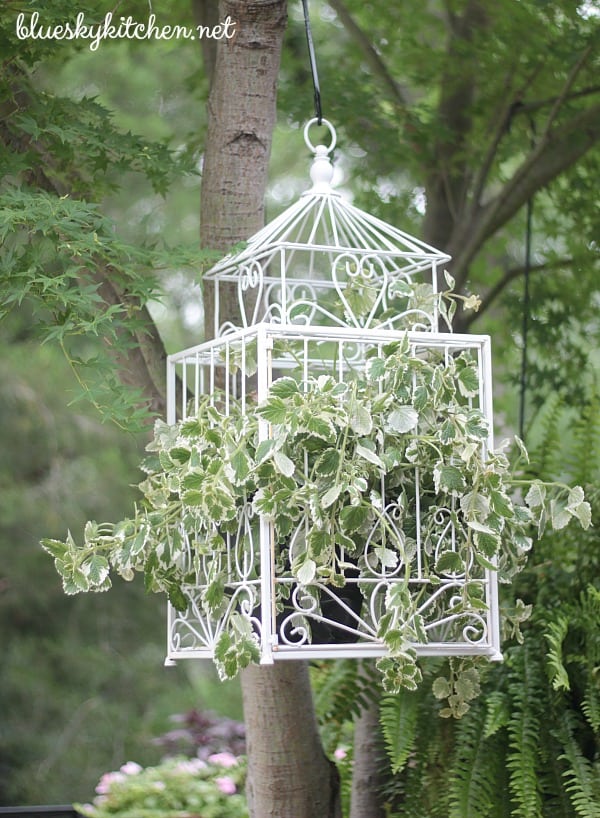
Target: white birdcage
[321, 290]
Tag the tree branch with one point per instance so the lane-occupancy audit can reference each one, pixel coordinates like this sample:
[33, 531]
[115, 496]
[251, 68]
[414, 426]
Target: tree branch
[140, 361]
[447, 184]
[463, 324]
[565, 91]
[536, 105]
[399, 93]
[561, 148]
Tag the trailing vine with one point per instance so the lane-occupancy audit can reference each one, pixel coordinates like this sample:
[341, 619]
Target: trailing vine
[342, 455]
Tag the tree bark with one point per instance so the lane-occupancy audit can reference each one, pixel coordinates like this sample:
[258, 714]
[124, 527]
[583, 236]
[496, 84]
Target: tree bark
[241, 118]
[289, 775]
[365, 801]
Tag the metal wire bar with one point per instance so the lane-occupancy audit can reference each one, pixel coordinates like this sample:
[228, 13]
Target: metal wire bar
[313, 64]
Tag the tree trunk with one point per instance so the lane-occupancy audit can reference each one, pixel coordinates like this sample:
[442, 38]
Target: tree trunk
[365, 801]
[289, 775]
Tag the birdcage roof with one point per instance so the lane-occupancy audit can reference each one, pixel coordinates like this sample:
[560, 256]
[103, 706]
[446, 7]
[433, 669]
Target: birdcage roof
[321, 221]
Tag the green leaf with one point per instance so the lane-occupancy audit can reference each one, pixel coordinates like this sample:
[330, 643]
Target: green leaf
[284, 388]
[275, 410]
[468, 381]
[360, 420]
[353, 517]
[283, 464]
[448, 478]
[330, 496]
[193, 497]
[180, 454]
[193, 480]
[55, 548]
[320, 427]
[488, 543]
[319, 543]
[96, 569]
[241, 465]
[264, 449]
[368, 454]
[536, 495]
[376, 368]
[449, 563]
[403, 419]
[177, 598]
[474, 505]
[305, 573]
[327, 463]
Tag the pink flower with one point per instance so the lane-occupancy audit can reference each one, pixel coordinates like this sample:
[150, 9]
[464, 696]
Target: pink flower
[190, 766]
[340, 754]
[131, 768]
[223, 759]
[226, 785]
[107, 780]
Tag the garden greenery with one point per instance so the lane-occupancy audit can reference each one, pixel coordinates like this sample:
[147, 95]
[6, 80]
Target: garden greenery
[339, 455]
[176, 788]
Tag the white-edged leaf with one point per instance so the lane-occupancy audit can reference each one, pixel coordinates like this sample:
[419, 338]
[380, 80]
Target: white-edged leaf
[387, 557]
[403, 419]
[283, 464]
[369, 455]
[306, 572]
[468, 382]
[360, 420]
[536, 495]
[284, 387]
[560, 515]
[522, 449]
[330, 496]
[575, 498]
[583, 512]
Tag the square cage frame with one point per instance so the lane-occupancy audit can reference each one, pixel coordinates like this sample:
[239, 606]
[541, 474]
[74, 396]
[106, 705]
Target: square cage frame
[242, 364]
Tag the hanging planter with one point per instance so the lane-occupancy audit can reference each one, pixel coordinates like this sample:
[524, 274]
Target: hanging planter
[326, 483]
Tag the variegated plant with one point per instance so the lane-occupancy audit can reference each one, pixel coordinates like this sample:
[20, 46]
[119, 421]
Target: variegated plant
[328, 448]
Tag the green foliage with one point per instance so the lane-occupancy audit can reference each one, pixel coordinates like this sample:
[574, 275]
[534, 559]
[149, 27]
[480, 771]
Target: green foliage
[68, 668]
[176, 788]
[474, 783]
[530, 745]
[341, 691]
[398, 716]
[329, 445]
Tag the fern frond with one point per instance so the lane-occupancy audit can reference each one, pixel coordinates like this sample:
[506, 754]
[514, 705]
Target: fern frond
[557, 803]
[580, 776]
[555, 634]
[524, 728]
[497, 713]
[590, 707]
[341, 690]
[473, 779]
[398, 716]
[583, 459]
[546, 447]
